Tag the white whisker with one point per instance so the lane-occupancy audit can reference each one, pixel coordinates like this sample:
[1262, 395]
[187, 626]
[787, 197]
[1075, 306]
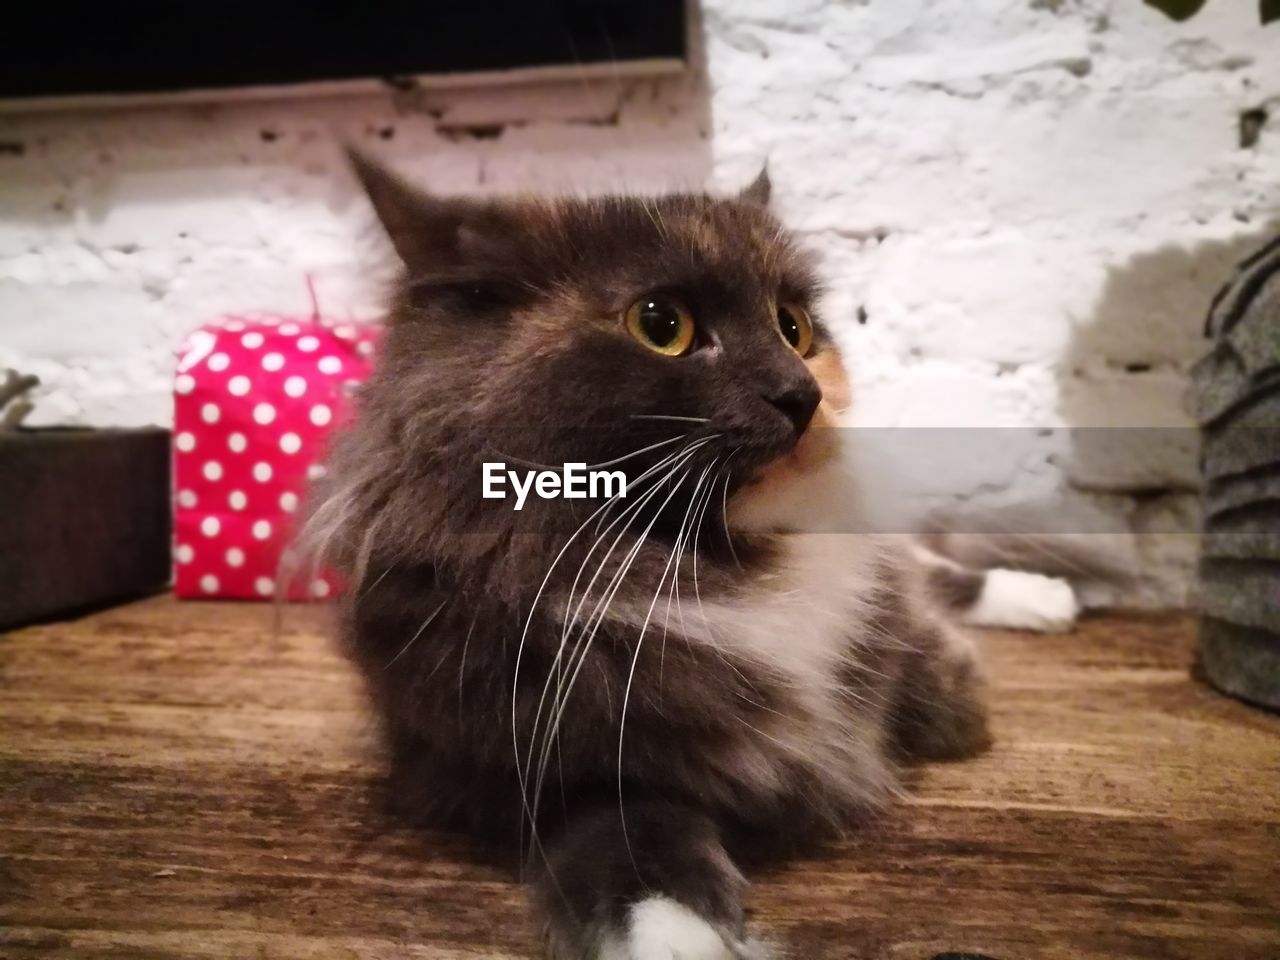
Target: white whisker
[592, 466]
[724, 511]
[682, 541]
[515, 687]
[662, 416]
[425, 624]
[631, 674]
[557, 665]
[462, 667]
[577, 656]
[631, 510]
[602, 607]
[523, 773]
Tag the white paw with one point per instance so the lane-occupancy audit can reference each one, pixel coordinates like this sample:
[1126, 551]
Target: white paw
[661, 929]
[1024, 601]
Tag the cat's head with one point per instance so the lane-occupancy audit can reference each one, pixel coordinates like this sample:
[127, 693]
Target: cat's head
[583, 330]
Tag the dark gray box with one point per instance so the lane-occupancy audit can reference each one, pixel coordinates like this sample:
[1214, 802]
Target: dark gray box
[84, 519]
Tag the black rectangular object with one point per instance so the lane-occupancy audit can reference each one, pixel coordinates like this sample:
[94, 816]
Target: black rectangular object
[68, 49]
[84, 519]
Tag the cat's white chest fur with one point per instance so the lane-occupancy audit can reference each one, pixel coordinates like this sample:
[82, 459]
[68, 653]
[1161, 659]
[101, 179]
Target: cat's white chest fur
[798, 620]
[804, 623]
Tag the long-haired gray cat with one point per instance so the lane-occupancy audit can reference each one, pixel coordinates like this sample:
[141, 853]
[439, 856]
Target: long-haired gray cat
[639, 693]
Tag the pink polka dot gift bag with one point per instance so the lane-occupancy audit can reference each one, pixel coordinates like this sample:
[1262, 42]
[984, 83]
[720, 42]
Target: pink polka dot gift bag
[256, 399]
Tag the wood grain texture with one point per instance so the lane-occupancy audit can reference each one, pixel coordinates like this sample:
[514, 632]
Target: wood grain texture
[176, 783]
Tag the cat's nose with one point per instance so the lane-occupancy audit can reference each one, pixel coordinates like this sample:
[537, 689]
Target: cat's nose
[797, 404]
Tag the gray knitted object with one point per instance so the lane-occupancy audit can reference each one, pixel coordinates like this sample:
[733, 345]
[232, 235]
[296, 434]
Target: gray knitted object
[1238, 387]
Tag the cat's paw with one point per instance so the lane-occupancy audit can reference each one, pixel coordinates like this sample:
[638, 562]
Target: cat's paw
[1015, 600]
[659, 928]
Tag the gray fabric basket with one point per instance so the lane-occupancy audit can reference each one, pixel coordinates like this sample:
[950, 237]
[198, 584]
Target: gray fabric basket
[1238, 405]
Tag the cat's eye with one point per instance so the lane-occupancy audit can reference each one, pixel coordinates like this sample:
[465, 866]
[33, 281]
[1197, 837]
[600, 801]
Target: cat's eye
[662, 324]
[796, 327]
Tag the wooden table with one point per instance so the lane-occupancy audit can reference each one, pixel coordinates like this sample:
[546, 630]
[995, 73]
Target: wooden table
[176, 783]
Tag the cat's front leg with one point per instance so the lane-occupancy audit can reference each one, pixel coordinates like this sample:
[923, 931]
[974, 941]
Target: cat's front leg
[940, 710]
[646, 880]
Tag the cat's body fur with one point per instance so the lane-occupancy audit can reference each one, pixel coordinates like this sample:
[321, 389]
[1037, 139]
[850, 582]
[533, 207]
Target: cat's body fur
[640, 703]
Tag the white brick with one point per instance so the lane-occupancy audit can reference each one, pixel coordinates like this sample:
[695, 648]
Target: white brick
[1000, 296]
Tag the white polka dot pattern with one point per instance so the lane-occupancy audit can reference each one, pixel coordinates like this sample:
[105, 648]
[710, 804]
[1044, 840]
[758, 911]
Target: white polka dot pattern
[256, 400]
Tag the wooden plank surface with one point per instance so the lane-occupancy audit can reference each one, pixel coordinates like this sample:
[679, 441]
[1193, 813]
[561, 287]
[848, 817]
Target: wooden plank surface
[176, 783]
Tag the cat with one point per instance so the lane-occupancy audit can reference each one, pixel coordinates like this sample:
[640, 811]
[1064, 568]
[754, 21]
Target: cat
[638, 695]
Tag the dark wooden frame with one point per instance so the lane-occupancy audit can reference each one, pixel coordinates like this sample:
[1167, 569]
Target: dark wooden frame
[85, 519]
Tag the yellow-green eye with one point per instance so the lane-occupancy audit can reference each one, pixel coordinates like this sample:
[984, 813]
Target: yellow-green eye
[796, 327]
[662, 324]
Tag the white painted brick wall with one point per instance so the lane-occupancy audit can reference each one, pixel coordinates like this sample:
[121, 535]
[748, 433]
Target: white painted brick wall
[1031, 201]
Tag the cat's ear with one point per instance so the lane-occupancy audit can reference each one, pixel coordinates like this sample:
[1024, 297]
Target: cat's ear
[429, 232]
[759, 190]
